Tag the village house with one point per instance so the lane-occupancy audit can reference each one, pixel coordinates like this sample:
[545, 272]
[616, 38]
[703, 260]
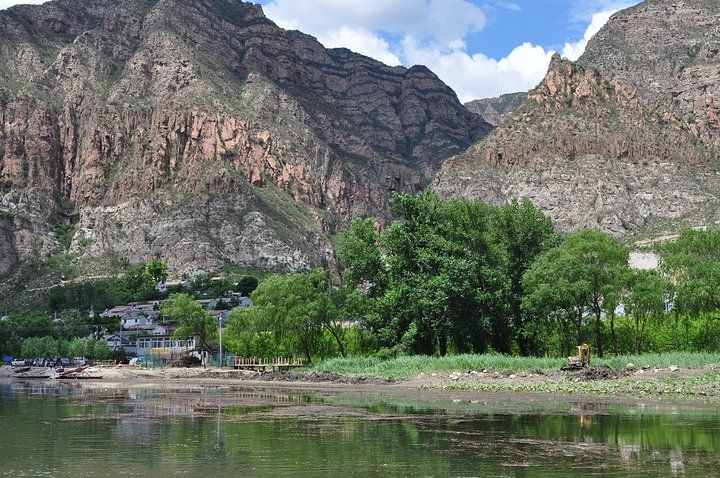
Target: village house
[123, 340]
[169, 286]
[163, 345]
[143, 330]
[135, 316]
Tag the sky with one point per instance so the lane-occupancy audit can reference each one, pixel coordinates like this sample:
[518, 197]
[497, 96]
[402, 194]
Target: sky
[481, 48]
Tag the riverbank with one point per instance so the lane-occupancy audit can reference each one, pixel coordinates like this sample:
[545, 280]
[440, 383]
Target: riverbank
[674, 383]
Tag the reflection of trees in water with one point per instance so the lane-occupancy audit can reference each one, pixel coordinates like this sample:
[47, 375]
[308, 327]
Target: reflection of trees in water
[184, 429]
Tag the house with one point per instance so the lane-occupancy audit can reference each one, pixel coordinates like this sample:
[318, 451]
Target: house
[244, 302]
[135, 315]
[169, 286]
[240, 300]
[209, 303]
[161, 345]
[122, 340]
[160, 330]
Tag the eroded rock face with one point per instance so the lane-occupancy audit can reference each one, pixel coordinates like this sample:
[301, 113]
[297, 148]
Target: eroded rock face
[203, 133]
[672, 58]
[625, 139]
[591, 153]
[494, 110]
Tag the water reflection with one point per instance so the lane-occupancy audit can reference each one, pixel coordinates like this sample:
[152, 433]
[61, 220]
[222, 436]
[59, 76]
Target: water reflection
[187, 430]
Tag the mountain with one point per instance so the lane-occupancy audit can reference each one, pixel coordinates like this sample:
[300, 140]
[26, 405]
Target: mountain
[494, 110]
[626, 139]
[203, 133]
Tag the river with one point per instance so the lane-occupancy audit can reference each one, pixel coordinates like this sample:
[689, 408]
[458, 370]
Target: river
[50, 429]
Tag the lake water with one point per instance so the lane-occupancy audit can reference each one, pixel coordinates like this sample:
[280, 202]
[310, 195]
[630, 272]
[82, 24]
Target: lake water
[95, 429]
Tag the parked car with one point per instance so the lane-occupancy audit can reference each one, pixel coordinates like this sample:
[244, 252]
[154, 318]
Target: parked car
[63, 362]
[18, 363]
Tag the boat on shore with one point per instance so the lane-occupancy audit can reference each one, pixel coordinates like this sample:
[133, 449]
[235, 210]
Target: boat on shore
[79, 377]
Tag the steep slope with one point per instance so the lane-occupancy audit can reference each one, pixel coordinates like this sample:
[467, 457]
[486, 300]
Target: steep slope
[624, 139]
[671, 51]
[203, 133]
[494, 110]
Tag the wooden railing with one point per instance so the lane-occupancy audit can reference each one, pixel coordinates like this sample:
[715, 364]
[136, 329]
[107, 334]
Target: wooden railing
[255, 362]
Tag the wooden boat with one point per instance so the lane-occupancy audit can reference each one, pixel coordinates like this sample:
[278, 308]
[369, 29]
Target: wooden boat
[73, 371]
[33, 377]
[21, 370]
[79, 377]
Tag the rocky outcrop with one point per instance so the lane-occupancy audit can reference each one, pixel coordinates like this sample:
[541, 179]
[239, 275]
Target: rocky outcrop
[494, 110]
[670, 50]
[591, 153]
[203, 133]
[624, 139]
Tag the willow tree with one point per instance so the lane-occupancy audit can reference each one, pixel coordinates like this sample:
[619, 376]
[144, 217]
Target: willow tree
[577, 277]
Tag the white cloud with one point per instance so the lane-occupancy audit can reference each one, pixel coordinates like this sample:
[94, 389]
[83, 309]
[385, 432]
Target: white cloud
[477, 76]
[573, 51]
[361, 41]
[510, 6]
[433, 33]
[439, 21]
[9, 3]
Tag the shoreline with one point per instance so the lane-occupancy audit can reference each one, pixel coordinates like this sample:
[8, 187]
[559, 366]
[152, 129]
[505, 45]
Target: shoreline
[666, 385]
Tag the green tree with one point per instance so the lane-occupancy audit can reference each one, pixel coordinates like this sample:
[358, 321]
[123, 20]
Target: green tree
[139, 283]
[436, 279]
[157, 270]
[192, 320]
[290, 315]
[523, 232]
[32, 324]
[98, 349]
[78, 348]
[441, 254]
[693, 261]
[40, 347]
[577, 276]
[246, 285]
[646, 301]
[360, 256]
[72, 324]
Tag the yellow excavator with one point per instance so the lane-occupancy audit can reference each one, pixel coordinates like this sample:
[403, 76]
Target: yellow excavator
[581, 360]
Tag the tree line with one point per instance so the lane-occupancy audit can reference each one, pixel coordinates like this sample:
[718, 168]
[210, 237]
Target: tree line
[461, 276]
[445, 276]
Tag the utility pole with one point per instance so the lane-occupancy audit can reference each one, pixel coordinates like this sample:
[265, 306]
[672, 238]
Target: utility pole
[220, 331]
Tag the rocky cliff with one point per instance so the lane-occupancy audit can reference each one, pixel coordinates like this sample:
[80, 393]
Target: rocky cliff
[626, 139]
[494, 110]
[203, 133]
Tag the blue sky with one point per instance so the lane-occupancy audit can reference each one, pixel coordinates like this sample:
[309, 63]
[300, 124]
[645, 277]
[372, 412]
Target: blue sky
[480, 48]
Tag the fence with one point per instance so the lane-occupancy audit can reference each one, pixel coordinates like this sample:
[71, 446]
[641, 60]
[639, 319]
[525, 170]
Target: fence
[276, 363]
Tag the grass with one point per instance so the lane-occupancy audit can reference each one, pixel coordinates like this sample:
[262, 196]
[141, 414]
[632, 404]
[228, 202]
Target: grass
[409, 366]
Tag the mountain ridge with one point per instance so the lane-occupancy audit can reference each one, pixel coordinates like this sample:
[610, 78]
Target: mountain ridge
[600, 144]
[203, 133]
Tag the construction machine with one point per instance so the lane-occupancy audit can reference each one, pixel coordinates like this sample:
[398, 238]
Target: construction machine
[581, 360]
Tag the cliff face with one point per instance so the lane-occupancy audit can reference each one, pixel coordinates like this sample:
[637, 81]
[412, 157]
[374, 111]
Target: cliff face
[203, 133]
[671, 51]
[494, 110]
[625, 139]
